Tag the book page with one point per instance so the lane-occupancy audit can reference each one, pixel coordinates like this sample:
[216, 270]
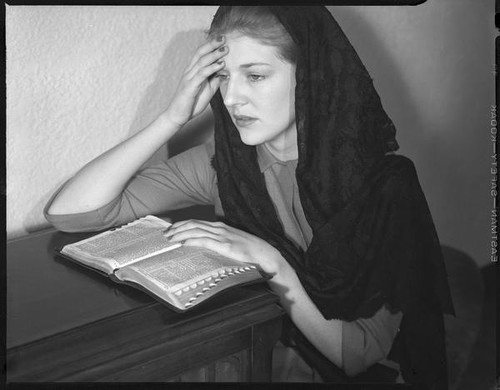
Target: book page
[127, 244]
[188, 276]
[182, 266]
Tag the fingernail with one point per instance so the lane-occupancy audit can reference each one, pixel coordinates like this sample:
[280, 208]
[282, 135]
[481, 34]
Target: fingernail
[220, 62]
[223, 48]
[220, 38]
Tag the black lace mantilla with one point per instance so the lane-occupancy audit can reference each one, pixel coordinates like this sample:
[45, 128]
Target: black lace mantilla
[374, 240]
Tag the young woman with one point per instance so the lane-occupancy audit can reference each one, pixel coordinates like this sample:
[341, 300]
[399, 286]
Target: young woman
[304, 181]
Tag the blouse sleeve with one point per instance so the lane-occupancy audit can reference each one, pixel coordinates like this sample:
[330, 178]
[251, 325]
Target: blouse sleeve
[184, 180]
[367, 341]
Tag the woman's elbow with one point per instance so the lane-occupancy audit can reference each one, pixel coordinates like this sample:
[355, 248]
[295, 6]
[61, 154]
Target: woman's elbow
[353, 369]
[68, 226]
[357, 363]
[75, 223]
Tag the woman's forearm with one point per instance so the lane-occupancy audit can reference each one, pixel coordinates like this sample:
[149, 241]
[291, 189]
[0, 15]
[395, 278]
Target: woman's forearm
[105, 177]
[325, 335]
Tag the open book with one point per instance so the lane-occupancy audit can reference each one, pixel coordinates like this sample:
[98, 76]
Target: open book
[139, 255]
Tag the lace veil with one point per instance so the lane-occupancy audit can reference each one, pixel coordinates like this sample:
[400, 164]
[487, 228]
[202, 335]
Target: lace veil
[374, 241]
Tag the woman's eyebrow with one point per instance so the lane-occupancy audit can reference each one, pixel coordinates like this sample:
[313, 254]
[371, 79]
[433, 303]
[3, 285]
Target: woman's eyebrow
[250, 64]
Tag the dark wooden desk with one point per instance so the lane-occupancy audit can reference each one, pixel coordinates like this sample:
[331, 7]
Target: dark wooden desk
[67, 323]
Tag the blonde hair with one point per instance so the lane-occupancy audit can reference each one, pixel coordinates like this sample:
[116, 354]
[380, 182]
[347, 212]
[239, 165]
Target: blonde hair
[257, 22]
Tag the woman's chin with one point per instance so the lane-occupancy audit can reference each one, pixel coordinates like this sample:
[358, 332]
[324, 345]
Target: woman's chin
[247, 139]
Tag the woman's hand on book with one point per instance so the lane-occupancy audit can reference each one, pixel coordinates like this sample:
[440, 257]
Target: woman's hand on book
[198, 84]
[227, 241]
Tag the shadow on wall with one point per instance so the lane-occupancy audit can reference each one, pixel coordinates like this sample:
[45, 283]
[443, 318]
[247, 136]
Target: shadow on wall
[155, 100]
[28, 225]
[160, 92]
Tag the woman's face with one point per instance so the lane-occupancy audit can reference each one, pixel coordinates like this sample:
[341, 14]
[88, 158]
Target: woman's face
[258, 89]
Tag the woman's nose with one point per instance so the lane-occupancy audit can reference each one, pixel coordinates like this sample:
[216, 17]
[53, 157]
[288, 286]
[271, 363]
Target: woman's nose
[233, 94]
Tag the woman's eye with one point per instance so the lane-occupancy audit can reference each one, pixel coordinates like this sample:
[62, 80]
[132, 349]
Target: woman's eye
[221, 76]
[256, 77]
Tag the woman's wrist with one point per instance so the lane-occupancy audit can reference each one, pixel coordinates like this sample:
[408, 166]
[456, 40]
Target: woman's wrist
[168, 122]
[282, 269]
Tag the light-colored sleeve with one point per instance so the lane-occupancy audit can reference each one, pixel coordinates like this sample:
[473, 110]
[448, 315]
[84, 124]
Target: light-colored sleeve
[184, 180]
[367, 341]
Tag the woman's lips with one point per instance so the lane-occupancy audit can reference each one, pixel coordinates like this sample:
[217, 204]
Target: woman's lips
[243, 121]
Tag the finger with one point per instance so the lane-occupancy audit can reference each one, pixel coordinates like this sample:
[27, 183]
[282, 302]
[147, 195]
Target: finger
[199, 222]
[208, 243]
[191, 222]
[194, 223]
[194, 233]
[205, 70]
[208, 73]
[207, 60]
[205, 75]
[204, 49]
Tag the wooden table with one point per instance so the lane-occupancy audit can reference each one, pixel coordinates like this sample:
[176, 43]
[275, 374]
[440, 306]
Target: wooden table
[67, 323]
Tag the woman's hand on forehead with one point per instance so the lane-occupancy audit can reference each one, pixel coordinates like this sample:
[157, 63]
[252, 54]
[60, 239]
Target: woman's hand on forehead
[197, 85]
[227, 241]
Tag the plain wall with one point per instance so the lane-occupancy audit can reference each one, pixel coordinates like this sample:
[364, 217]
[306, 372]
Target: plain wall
[82, 78]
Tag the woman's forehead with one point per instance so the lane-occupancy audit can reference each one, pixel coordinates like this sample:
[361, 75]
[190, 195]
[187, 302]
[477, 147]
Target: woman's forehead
[244, 49]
